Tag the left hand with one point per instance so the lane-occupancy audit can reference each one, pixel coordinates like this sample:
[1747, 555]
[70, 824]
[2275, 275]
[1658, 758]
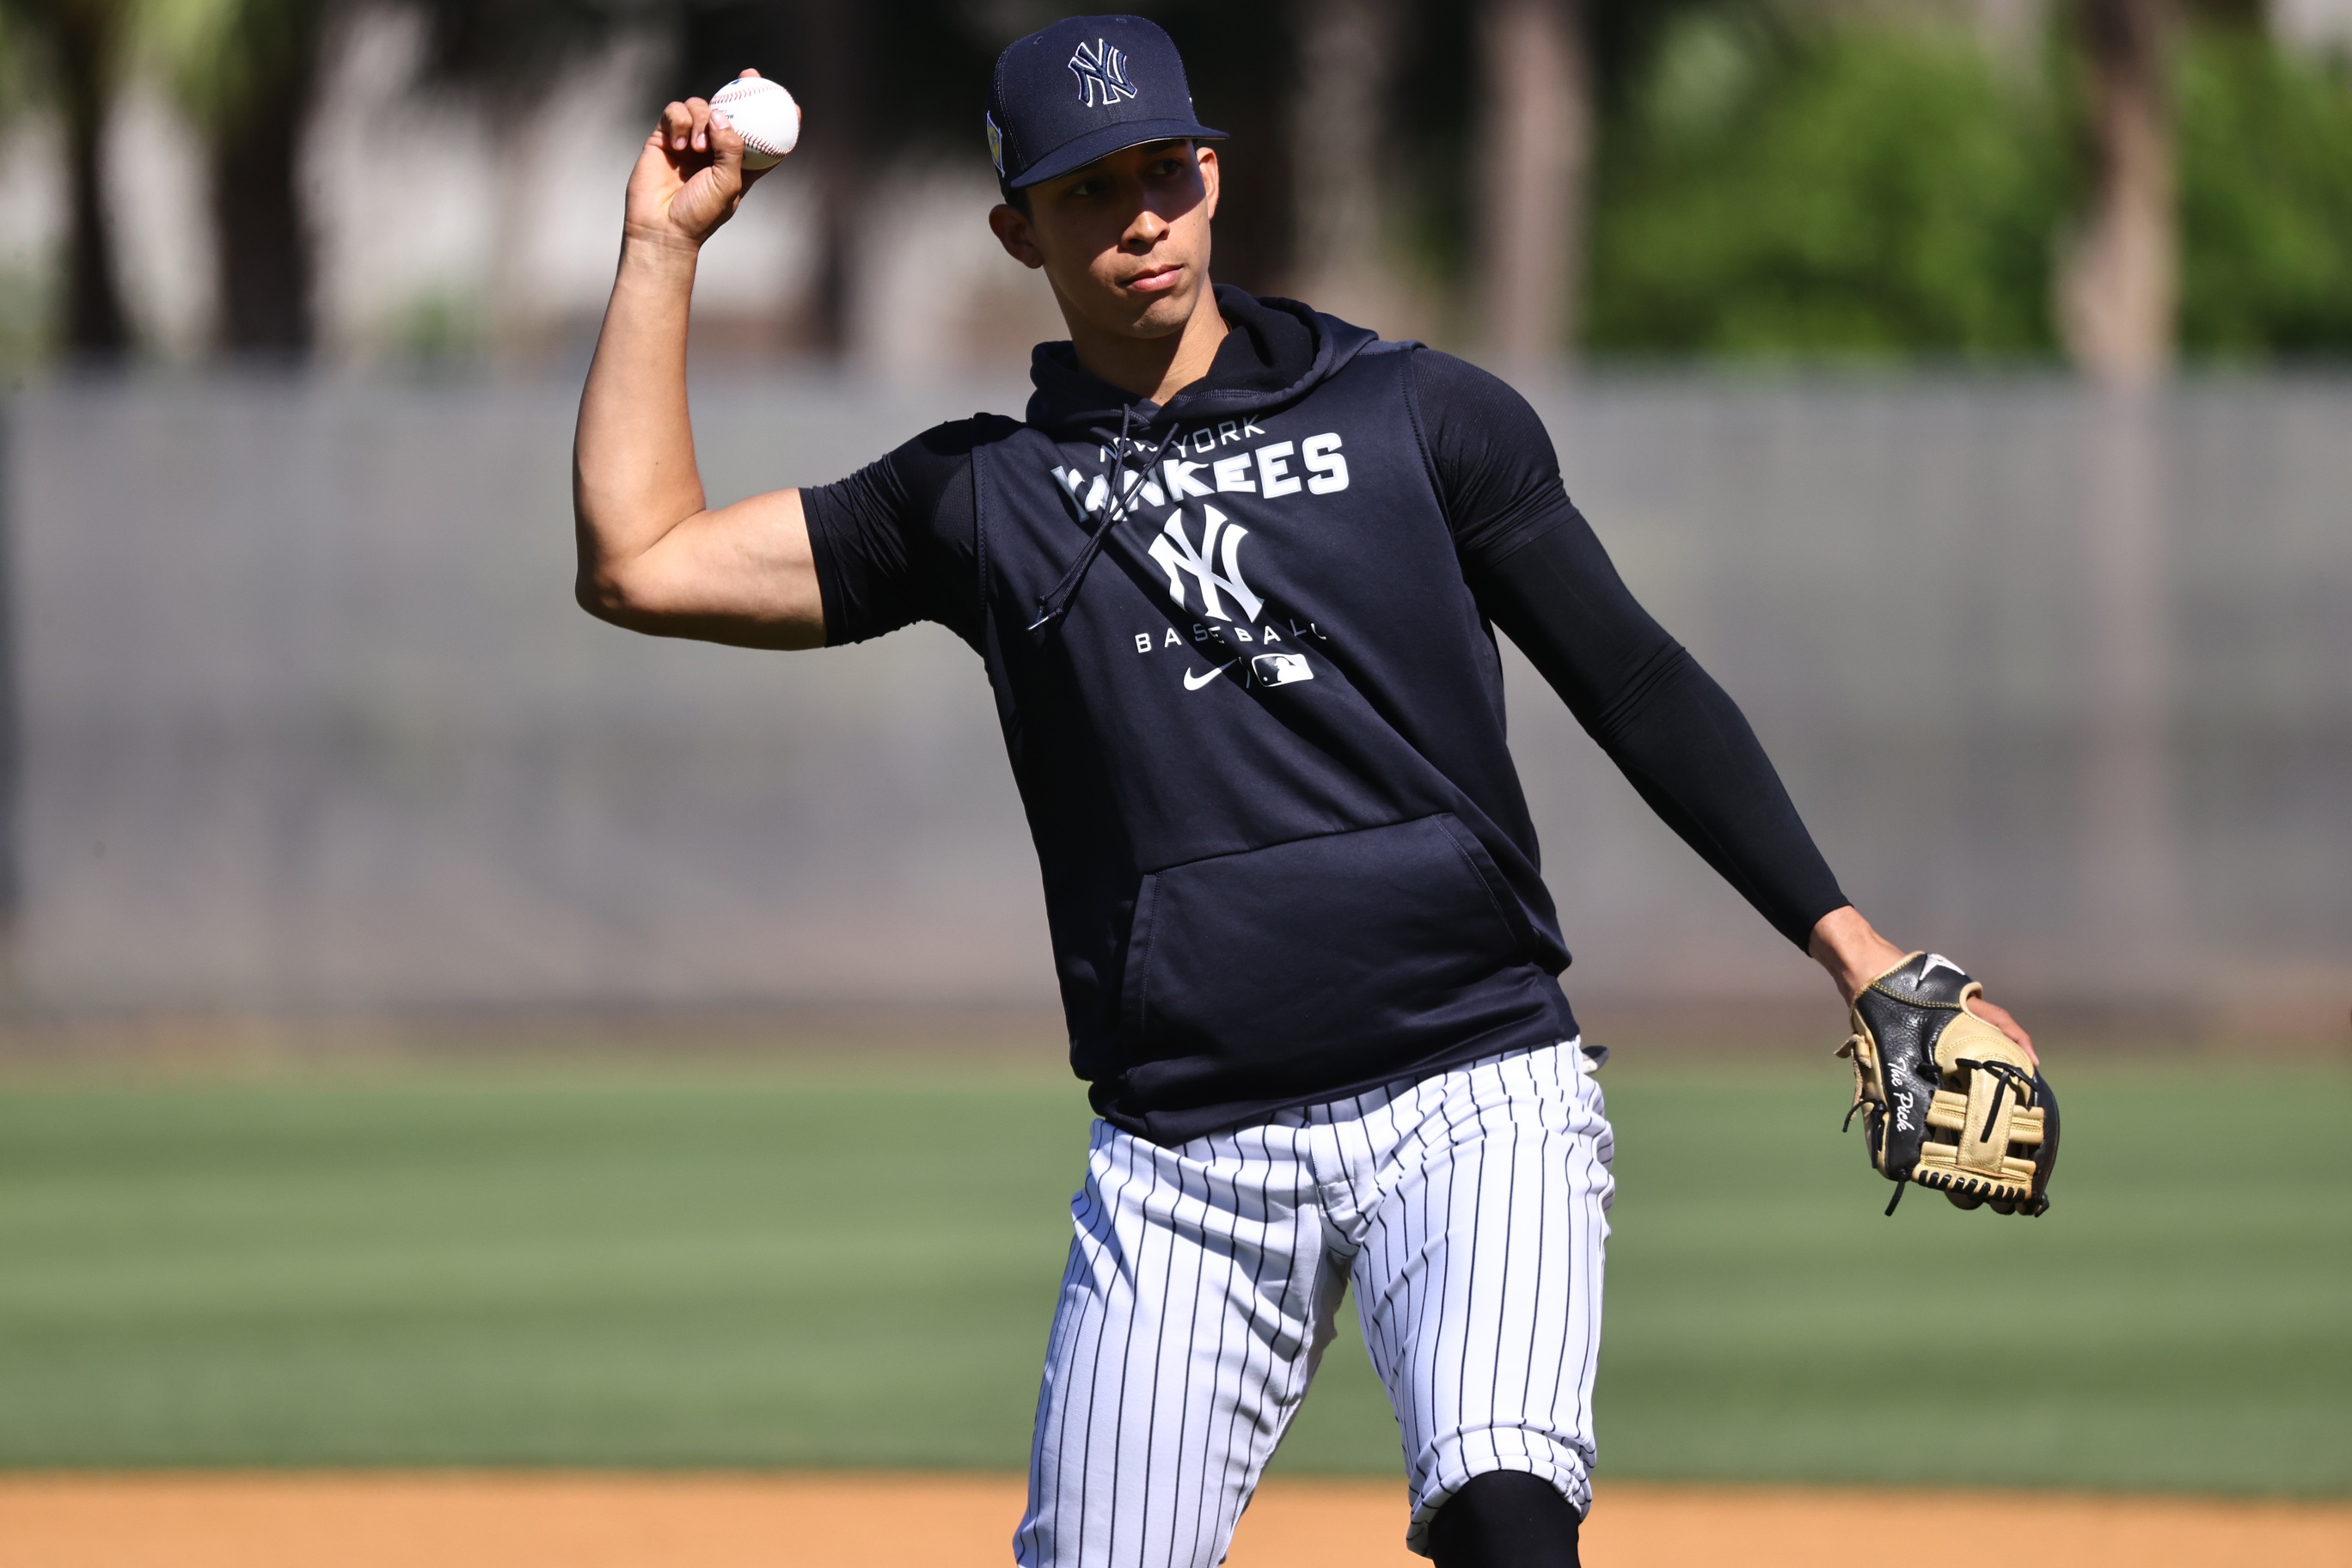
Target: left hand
[1855, 954]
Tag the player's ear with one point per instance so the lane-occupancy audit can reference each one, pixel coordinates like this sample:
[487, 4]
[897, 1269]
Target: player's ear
[1013, 232]
[1206, 157]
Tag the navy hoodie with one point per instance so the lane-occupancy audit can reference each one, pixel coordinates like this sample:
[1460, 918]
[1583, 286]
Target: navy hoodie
[1256, 716]
[1256, 722]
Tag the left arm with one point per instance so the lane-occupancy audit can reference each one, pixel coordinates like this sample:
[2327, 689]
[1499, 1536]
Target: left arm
[1541, 575]
[1674, 733]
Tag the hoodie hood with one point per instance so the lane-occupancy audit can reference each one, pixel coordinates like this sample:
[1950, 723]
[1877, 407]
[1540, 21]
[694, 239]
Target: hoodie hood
[1258, 723]
[1278, 351]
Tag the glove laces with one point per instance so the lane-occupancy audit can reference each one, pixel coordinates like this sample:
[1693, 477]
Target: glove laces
[2006, 1076]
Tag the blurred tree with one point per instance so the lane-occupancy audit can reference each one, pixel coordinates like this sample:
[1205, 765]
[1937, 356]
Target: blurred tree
[503, 59]
[1338, 138]
[1534, 153]
[1449, 184]
[1241, 59]
[823, 49]
[862, 108]
[247, 72]
[521, 46]
[2265, 149]
[2119, 292]
[1840, 192]
[84, 44]
[884, 81]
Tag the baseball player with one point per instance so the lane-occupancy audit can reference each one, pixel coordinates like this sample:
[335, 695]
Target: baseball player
[1232, 577]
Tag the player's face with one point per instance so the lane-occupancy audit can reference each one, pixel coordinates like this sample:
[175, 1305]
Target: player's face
[1125, 240]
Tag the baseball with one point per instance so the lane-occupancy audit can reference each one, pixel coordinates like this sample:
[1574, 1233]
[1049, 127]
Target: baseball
[764, 114]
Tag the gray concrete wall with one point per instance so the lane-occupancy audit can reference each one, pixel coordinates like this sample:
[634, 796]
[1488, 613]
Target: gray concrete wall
[307, 717]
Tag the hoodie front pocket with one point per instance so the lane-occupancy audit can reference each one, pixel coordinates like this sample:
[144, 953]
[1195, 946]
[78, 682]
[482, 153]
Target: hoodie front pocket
[1332, 956]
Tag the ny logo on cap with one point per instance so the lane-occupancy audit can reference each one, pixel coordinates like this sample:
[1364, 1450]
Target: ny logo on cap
[1103, 71]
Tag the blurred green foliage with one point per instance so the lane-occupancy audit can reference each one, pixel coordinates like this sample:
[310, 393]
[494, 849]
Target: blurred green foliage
[1860, 192]
[2265, 156]
[229, 61]
[15, 66]
[28, 311]
[1844, 192]
[1767, 184]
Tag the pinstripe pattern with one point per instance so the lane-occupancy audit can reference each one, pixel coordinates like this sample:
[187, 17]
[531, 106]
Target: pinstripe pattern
[1468, 1212]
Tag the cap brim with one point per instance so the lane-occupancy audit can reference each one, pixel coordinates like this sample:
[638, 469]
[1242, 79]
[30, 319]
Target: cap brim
[1076, 154]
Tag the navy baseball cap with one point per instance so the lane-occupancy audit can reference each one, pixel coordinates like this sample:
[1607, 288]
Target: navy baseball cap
[1082, 89]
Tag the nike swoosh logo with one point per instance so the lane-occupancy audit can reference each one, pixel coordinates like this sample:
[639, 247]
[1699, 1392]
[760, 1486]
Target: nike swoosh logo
[1194, 682]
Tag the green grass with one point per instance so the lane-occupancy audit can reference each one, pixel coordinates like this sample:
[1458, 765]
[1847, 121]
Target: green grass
[834, 1267]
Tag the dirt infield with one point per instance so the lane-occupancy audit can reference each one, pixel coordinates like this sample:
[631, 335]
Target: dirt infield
[505, 1520]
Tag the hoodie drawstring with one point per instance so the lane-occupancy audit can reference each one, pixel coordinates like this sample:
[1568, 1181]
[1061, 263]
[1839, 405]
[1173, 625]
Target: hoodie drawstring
[1057, 599]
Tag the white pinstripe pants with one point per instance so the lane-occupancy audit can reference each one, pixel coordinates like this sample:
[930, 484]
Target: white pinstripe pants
[1466, 1209]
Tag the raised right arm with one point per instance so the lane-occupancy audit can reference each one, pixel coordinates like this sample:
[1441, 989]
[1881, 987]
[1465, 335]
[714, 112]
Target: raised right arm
[654, 556]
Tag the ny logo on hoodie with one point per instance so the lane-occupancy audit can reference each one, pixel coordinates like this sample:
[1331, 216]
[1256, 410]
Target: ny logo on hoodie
[1173, 550]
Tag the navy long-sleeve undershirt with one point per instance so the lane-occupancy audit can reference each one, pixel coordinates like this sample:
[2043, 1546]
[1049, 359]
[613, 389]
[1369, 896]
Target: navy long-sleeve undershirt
[895, 542]
[1542, 577]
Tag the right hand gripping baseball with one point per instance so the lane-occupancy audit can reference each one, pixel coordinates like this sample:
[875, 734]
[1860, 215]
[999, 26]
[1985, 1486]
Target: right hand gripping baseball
[690, 177]
[1949, 1100]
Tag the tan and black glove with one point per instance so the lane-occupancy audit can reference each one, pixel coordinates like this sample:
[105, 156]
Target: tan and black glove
[1949, 1100]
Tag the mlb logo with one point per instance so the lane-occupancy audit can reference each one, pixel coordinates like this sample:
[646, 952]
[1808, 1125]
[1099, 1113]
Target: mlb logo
[1280, 668]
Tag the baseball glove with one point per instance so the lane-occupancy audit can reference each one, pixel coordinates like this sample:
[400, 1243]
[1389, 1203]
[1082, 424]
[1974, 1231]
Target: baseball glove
[1948, 1100]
